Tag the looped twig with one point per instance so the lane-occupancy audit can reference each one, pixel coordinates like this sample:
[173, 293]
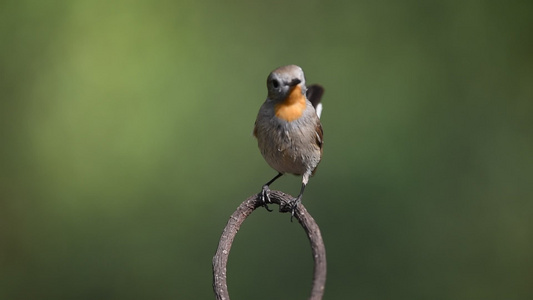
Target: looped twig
[220, 259]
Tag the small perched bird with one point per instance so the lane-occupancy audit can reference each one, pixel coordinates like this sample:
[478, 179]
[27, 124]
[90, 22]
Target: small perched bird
[288, 129]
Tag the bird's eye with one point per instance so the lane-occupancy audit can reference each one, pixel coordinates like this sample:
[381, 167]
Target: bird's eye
[275, 83]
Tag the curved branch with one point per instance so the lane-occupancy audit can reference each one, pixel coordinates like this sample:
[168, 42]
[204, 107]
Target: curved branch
[220, 259]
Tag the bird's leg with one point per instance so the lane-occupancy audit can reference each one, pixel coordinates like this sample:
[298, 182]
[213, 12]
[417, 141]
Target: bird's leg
[264, 195]
[298, 199]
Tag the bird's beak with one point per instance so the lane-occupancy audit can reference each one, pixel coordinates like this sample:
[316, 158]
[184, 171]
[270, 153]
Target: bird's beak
[294, 82]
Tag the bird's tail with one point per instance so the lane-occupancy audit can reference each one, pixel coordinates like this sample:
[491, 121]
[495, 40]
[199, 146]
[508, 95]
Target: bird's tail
[314, 95]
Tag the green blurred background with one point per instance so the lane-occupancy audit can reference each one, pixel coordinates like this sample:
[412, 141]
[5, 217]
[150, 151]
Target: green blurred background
[126, 143]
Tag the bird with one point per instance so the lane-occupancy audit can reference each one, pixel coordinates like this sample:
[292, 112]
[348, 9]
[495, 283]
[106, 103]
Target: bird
[288, 129]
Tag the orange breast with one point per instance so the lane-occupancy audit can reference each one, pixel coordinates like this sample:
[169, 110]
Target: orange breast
[292, 107]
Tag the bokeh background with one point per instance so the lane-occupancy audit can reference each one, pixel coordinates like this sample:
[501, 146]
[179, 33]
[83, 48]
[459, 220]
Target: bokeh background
[125, 131]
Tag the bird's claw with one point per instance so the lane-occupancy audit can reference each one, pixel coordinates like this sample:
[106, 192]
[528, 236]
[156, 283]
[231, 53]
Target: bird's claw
[294, 206]
[264, 197]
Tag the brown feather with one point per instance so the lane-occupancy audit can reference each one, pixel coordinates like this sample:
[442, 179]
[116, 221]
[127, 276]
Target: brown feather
[319, 135]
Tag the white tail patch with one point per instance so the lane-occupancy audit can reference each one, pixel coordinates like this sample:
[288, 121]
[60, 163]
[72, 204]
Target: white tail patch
[318, 110]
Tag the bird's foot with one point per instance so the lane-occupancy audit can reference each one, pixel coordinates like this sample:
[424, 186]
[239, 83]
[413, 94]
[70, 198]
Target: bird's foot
[264, 197]
[294, 205]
